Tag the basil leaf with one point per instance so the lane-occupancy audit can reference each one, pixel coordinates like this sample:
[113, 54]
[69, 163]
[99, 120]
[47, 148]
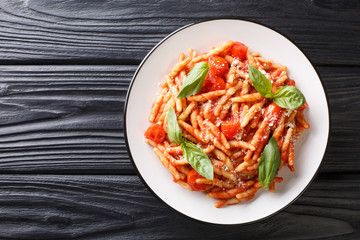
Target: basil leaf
[194, 80]
[289, 97]
[173, 130]
[269, 163]
[196, 157]
[260, 82]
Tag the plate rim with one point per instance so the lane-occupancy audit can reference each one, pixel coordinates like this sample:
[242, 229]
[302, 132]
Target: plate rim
[127, 141]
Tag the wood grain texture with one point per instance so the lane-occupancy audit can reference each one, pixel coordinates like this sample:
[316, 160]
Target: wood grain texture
[103, 32]
[68, 119]
[120, 207]
[343, 87]
[65, 67]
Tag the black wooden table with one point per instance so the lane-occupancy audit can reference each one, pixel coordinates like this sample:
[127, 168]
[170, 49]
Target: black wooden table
[65, 69]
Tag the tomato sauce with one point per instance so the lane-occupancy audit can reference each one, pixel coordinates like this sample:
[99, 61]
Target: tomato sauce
[305, 105]
[291, 82]
[191, 180]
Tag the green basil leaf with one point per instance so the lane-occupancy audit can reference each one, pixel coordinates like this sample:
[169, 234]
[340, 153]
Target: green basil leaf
[289, 97]
[173, 130]
[194, 80]
[260, 82]
[196, 157]
[269, 163]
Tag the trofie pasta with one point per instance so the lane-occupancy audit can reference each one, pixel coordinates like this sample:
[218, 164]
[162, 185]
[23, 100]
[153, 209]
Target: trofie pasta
[230, 119]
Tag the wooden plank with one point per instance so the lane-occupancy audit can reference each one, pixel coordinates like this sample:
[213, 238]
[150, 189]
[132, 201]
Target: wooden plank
[65, 116]
[120, 207]
[342, 89]
[102, 32]
[68, 119]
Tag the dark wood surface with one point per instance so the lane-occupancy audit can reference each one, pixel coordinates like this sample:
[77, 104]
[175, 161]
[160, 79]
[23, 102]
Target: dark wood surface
[65, 67]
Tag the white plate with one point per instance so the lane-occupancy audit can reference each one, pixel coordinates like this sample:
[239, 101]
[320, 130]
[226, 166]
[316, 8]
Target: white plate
[201, 37]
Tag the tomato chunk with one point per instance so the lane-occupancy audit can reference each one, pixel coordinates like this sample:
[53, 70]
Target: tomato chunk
[213, 83]
[230, 128]
[239, 50]
[218, 66]
[191, 180]
[155, 133]
[273, 113]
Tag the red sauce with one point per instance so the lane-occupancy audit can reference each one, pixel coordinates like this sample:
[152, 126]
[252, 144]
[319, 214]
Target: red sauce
[155, 133]
[249, 133]
[191, 180]
[305, 105]
[291, 82]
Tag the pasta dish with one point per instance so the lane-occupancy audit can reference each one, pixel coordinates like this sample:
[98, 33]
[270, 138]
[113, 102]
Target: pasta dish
[236, 117]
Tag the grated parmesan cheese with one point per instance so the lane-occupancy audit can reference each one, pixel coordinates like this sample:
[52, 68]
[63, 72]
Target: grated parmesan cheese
[238, 136]
[287, 113]
[235, 62]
